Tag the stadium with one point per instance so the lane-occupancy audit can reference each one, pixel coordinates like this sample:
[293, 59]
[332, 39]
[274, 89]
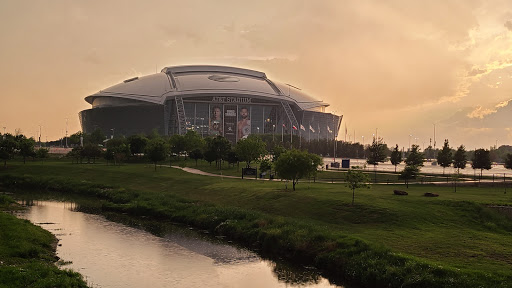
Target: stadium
[212, 100]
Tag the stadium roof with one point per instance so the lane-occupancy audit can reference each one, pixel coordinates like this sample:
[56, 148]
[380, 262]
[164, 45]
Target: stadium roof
[194, 80]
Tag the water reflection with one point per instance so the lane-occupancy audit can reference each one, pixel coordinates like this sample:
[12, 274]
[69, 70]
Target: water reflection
[110, 254]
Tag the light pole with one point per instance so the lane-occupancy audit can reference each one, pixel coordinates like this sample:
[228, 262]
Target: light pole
[66, 132]
[410, 135]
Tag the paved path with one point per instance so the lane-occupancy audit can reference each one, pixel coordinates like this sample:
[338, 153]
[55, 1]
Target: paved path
[200, 172]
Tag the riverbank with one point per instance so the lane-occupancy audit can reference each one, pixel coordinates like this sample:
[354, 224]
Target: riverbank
[27, 254]
[383, 240]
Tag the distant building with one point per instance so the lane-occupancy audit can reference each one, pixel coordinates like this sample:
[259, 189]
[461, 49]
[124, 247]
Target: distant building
[212, 100]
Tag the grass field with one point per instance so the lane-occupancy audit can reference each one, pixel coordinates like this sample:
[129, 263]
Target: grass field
[455, 232]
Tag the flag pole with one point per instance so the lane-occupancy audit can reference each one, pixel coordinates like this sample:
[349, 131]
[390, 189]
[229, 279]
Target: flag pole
[291, 134]
[282, 133]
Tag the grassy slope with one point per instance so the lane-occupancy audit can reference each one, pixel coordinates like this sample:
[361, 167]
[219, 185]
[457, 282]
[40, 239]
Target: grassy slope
[452, 230]
[27, 256]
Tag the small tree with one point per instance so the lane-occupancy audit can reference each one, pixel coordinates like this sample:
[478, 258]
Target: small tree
[117, 150]
[42, 153]
[76, 154]
[138, 144]
[265, 165]
[193, 141]
[396, 156]
[294, 165]
[177, 144]
[220, 146]
[444, 158]
[196, 154]
[459, 159]
[250, 149]
[355, 179]
[376, 154]
[415, 157]
[409, 172]
[91, 151]
[7, 148]
[481, 160]
[97, 137]
[156, 150]
[508, 161]
[26, 147]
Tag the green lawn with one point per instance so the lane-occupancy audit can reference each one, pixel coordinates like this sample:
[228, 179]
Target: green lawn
[455, 230]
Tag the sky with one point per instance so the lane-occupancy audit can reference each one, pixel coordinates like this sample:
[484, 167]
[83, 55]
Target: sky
[396, 68]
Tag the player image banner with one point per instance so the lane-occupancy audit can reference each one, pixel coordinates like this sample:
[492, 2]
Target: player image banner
[215, 120]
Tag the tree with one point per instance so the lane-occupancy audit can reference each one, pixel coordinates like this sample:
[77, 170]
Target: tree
[232, 158]
[429, 152]
[177, 144]
[220, 147]
[396, 156]
[265, 165]
[137, 144]
[444, 158]
[294, 165]
[7, 148]
[196, 154]
[96, 137]
[192, 141]
[76, 154]
[42, 153]
[210, 156]
[376, 154]
[508, 161]
[91, 151]
[277, 151]
[481, 160]
[117, 150]
[409, 172]
[415, 157]
[355, 179]
[26, 147]
[250, 149]
[156, 150]
[459, 159]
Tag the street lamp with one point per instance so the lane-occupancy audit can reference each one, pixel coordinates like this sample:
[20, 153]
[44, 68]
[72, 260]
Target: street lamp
[410, 135]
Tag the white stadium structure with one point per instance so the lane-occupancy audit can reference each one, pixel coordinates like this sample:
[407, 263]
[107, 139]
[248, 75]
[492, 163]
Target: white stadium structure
[212, 100]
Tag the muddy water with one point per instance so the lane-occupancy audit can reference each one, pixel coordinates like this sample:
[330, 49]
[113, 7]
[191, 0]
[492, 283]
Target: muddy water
[110, 254]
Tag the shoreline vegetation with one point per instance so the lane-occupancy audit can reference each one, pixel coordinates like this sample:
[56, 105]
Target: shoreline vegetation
[382, 240]
[27, 253]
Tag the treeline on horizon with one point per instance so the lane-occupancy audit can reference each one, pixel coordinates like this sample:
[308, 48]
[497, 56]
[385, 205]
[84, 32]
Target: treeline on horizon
[322, 147]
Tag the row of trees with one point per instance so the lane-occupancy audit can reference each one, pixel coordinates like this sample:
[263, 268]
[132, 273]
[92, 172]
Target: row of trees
[290, 164]
[11, 145]
[376, 153]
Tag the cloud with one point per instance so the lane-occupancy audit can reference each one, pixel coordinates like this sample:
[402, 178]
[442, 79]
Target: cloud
[480, 112]
[508, 25]
[476, 72]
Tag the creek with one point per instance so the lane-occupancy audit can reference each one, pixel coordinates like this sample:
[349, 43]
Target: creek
[110, 254]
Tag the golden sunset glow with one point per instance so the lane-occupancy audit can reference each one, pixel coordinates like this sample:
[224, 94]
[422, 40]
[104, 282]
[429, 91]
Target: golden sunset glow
[398, 66]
